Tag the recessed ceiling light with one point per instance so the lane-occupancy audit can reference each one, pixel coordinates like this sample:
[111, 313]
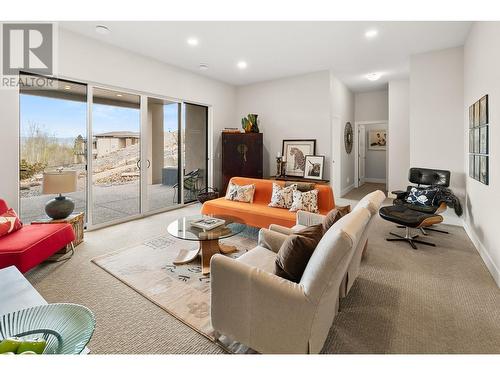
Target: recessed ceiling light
[370, 34]
[101, 29]
[67, 87]
[373, 76]
[242, 64]
[119, 95]
[192, 41]
[203, 66]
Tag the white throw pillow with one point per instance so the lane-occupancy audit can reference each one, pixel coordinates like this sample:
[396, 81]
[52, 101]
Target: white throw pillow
[305, 201]
[240, 193]
[282, 196]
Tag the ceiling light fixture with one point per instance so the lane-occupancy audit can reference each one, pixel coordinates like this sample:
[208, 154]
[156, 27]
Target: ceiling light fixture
[203, 66]
[119, 95]
[373, 76]
[370, 34]
[242, 64]
[67, 87]
[101, 29]
[192, 41]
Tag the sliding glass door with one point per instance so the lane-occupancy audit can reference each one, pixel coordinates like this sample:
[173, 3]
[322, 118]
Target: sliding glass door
[195, 150]
[53, 136]
[116, 174]
[163, 139]
[133, 153]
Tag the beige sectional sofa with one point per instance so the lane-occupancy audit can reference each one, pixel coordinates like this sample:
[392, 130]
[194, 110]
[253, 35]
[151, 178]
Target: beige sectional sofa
[273, 315]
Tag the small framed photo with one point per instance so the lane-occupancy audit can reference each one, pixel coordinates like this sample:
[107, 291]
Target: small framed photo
[483, 139]
[476, 167]
[471, 166]
[294, 152]
[483, 169]
[483, 110]
[471, 116]
[476, 113]
[476, 141]
[314, 167]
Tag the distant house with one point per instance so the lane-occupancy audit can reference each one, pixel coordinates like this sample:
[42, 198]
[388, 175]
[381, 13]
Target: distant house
[105, 143]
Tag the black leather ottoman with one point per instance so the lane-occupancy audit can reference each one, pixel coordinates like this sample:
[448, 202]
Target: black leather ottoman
[409, 219]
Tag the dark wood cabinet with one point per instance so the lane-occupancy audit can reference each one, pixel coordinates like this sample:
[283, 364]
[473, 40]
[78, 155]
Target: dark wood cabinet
[242, 156]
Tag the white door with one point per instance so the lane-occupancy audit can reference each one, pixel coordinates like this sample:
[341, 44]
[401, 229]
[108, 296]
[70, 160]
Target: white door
[361, 154]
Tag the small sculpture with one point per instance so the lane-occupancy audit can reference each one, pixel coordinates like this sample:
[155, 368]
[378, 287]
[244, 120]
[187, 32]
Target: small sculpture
[249, 123]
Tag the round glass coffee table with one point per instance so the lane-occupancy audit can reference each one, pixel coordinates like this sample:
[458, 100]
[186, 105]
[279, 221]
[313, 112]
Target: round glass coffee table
[209, 244]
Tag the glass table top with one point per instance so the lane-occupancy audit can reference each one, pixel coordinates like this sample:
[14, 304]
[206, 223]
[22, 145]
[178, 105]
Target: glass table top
[182, 228]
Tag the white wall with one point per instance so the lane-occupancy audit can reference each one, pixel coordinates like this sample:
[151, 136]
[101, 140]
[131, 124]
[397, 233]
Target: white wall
[482, 76]
[86, 59]
[399, 135]
[436, 116]
[371, 106]
[342, 107]
[289, 108]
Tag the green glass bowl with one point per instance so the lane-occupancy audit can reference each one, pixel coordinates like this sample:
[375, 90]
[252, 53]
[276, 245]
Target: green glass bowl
[66, 327]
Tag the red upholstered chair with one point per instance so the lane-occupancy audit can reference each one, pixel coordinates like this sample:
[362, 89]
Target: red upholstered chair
[32, 244]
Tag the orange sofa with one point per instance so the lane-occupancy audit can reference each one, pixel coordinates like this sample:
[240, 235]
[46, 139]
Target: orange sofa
[259, 214]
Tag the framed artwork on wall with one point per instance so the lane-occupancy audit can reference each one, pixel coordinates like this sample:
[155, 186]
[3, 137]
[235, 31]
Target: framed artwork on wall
[483, 139]
[483, 110]
[314, 167]
[476, 167]
[479, 140]
[476, 114]
[377, 139]
[483, 169]
[476, 140]
[294, 153]
[471, 141]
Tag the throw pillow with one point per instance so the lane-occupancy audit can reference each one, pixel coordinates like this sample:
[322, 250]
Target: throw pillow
[282, 196]
[9, 222]
[307, 201]
[294, 254]
[334, 215]
[421, 197]
[240, 193]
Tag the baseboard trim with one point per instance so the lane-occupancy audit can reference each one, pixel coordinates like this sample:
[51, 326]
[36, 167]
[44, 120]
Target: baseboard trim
[346, 190]
[483, 252]
[375, 180]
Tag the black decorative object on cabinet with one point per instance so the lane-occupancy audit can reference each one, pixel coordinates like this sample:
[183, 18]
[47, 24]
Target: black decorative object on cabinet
[242, 156]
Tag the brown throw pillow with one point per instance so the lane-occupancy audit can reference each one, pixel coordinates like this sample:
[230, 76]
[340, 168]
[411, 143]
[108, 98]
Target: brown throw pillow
[294, 254]
[334, 215]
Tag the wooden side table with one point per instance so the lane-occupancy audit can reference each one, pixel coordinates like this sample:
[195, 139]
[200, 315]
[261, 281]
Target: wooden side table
[76, 220]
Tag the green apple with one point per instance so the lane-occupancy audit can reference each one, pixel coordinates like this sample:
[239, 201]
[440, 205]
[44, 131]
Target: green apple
[32, 345]
[28, 352]
[9, 344]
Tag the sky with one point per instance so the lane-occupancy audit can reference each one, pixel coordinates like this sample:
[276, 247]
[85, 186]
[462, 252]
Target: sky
[68, 119]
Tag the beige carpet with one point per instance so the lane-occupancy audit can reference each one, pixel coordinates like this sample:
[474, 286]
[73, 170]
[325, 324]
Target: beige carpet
[430, 300]
[181, 290]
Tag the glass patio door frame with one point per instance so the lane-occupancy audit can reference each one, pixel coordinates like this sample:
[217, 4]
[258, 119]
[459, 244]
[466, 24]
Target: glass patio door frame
[144, 148]
[145, 163]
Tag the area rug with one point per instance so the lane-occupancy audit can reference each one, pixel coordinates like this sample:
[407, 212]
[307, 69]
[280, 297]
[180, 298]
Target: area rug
[181, 290]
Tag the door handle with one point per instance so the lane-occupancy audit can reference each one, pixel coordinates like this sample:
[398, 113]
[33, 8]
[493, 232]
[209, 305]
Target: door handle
[138, 164]
[149, 163]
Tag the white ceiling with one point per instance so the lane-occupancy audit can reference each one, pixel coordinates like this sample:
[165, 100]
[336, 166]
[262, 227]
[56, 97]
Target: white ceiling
[280, 49]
